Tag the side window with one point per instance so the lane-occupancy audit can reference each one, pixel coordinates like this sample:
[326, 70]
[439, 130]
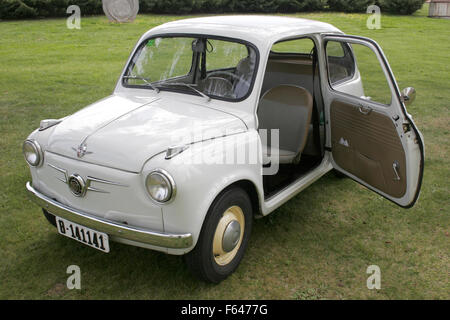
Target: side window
[361, 65]
[224, 54]
[341, 65]
[297, 46]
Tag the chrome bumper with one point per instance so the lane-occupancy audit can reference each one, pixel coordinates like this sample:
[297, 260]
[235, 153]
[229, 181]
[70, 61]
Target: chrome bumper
[159, 239]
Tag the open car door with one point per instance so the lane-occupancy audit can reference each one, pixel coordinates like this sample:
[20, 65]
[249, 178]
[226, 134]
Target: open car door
[372, 138]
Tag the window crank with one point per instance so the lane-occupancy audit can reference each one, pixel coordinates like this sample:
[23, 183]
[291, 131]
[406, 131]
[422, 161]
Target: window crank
[396, 166]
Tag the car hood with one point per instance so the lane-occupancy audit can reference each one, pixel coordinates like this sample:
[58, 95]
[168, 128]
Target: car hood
[123, 133]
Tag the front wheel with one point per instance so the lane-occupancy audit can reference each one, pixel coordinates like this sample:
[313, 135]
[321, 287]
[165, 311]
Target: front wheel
[224, 236]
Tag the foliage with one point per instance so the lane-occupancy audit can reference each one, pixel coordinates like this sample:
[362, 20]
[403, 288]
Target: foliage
[24, 9]
[400, 6]
[349, 5]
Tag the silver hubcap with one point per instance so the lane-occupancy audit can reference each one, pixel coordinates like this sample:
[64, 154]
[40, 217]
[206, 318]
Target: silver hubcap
[231, 236]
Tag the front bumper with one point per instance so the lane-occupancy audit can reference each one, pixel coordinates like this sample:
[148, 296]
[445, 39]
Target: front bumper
[159, 239]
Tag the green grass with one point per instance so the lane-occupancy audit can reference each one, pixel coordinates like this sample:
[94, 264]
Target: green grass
[316, 246]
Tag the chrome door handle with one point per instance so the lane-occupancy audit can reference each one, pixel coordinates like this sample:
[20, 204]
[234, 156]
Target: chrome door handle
[364, 110]
[395, 166]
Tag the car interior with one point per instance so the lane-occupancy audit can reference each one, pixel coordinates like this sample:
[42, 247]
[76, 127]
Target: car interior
[291, 102]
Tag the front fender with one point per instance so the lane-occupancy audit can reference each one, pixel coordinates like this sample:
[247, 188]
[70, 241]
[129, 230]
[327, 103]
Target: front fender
[201, 172]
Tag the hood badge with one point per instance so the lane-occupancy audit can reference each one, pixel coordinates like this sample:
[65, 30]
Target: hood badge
[81, 150]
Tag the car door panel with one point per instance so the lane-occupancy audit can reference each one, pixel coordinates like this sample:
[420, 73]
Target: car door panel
[367, 146]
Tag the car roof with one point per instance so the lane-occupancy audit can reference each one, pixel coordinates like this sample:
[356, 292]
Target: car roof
[254, 28]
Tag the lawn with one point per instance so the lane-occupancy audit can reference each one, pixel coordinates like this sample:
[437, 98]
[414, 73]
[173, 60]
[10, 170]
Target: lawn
[317, 246]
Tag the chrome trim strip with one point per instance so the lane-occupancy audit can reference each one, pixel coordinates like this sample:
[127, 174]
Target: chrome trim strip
[106, 181]
[155, 238]
[64, 171]
[96, 190]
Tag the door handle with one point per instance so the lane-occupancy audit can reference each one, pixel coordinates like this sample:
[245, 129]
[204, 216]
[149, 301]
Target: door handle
[364, 109]
[395, 166]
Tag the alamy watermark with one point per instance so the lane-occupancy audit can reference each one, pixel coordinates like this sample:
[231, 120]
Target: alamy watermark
[194, 146]
[374, 280]
[74, 280]
[74, 20]
[374, 20]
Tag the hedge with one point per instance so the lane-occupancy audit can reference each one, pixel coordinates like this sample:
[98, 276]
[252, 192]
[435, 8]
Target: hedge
[349, 5]
[22, 9]
[401, 6]
[228, 6]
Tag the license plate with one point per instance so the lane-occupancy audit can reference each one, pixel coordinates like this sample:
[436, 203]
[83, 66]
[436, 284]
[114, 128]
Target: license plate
[92, 238]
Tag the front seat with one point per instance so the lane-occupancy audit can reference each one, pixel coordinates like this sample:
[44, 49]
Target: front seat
[287, 108]
[244, 73]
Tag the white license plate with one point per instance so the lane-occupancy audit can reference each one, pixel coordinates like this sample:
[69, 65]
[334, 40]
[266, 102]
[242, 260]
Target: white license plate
[92, 238]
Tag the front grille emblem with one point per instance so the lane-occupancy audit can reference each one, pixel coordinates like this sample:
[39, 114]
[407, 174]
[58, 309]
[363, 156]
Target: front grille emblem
[81, 150]
[77, 185]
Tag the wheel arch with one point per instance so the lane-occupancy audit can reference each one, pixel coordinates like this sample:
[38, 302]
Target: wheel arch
[249, 187]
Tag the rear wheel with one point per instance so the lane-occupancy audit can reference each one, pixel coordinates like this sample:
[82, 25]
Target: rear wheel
[224, 236]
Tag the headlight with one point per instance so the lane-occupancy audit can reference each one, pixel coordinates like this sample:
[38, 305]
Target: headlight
[32, 152]
[160, 186]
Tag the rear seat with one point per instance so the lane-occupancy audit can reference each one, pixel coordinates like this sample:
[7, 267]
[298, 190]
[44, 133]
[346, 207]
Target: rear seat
[296, 72]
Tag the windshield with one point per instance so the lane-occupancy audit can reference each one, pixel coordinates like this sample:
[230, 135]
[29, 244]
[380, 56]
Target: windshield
[222, 69]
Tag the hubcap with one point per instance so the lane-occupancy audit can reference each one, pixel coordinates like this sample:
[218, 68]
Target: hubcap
[231, 236]
[228, 236]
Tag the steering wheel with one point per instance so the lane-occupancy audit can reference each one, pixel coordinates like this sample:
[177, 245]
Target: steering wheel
[227, 73]
[218, 86]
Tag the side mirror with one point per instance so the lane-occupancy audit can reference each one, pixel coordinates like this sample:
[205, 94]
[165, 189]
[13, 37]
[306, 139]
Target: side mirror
[408, 95]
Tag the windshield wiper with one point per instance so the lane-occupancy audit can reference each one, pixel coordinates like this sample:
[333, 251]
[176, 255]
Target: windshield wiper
[146, 80]
[188, 85]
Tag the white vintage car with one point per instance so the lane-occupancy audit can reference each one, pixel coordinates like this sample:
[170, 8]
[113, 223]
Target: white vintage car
[215, 121]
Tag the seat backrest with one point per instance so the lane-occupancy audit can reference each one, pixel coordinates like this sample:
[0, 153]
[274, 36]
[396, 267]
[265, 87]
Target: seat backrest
[287, 71]
[287, 108]
[244, 73]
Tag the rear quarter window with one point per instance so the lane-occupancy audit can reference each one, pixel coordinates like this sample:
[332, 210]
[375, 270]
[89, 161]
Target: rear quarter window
[297, 46]
[341, 63]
